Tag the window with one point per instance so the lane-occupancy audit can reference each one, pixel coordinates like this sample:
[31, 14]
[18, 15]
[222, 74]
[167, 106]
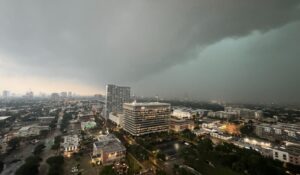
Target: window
[276, 154]
[284, 156]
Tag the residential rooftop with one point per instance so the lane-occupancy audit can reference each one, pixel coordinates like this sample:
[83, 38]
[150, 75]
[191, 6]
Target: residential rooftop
[4, 117]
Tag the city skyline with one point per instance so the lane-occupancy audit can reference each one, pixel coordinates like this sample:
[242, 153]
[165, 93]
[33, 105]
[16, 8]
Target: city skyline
[199, 50]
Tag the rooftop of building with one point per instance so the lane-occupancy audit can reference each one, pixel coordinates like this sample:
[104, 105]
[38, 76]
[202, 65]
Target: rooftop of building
[209, 120]
[26, 128]
[109, 143]
[295, 126]
[291, 149]
[182, 110]
[147, 104]
[110, 146]
[70, 140]
[46, 117]
[4, 117]
[179, 120]
[88, 124]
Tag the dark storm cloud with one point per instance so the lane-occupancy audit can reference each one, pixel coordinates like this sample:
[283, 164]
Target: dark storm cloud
[257, 68]
[127, 41]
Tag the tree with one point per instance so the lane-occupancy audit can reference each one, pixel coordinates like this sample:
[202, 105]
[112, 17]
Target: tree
[53, 123]
[188, 134]
[65, 121]
[39, 149]
[1, 166]
[160, 172]
[230, 156]
[14, 143]
[107, 170]
[30, 167]
[247, 129]
[44, 133]
[161, 156]
[205, 145]
[56, 144]
[293, 168]
[56, 165]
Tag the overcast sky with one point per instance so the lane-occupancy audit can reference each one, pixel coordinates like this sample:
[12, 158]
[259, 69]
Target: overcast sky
[245, 51]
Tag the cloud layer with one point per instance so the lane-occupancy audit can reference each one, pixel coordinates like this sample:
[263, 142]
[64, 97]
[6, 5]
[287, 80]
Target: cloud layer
[138, 42]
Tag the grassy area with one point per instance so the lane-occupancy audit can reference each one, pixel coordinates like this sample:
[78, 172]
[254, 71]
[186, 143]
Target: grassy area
[134, 167]
[205, 168]
[138, 152]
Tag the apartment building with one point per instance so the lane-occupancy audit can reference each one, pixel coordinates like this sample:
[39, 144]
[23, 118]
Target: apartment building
[146, 118]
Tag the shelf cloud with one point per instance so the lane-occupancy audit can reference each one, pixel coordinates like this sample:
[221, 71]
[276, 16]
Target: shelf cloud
[138, 43]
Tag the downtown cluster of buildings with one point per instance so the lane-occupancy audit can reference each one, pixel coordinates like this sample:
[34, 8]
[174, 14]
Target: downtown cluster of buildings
[30, 95]
[278, 140]
[143, 118]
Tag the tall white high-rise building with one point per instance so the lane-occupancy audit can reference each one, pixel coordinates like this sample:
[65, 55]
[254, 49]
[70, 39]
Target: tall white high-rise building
[146, 118]
[115, 97]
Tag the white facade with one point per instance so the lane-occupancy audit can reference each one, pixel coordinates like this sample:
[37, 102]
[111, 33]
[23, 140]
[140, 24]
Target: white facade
[118, 119]
[220, 136]
[182, 114]
[280, 155]
[3, 118]
[289, 154]
[70, 144]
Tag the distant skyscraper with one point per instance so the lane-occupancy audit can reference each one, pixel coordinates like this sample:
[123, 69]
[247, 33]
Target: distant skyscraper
[63, 94]
[5, 94]
[54, 96]
[115, 97]
[29, 95]
[146, 118]
[69, 94]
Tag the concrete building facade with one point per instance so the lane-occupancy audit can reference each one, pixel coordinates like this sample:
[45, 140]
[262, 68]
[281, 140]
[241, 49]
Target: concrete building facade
[107, 150]
[146, 118]
[115, 97]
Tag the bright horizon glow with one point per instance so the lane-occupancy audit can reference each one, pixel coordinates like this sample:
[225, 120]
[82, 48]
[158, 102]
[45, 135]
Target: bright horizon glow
[44, 85]
[20, 84]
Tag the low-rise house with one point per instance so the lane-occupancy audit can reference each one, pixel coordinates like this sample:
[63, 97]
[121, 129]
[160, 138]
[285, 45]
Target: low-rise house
[279, 131]
[31, 130]
[107, 150]
[288, 154]
[86, 116]
[182, 114]
[4, 118]
[178, 125]
[70, 145]
[46, 120]
[117, 118]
